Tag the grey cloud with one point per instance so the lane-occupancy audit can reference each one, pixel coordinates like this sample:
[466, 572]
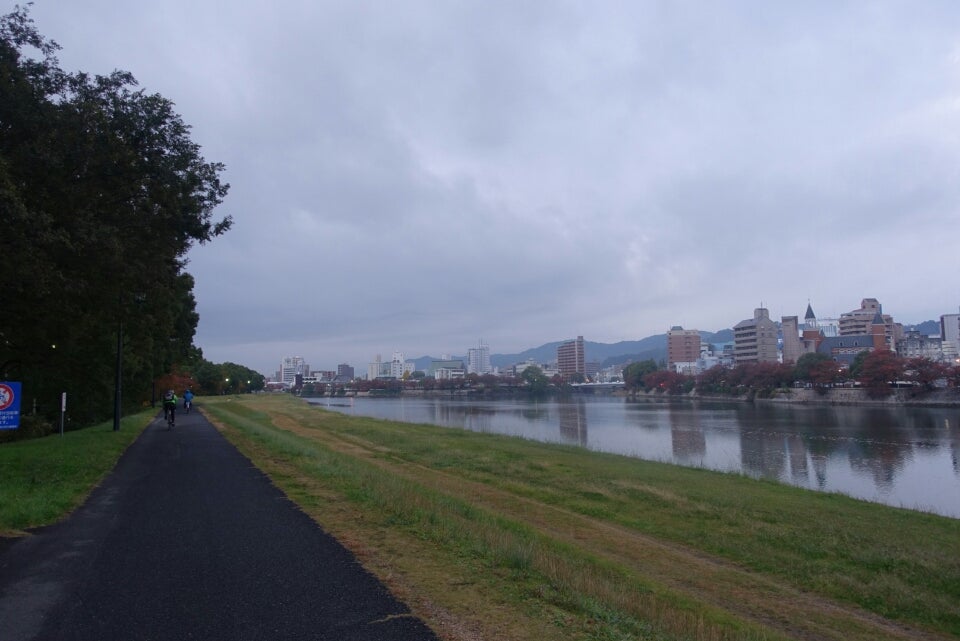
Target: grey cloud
[417, 176]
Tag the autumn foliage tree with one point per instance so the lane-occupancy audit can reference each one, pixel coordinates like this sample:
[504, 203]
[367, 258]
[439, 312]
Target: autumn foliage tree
[634, 373]
[925, 372]
[667, 382]
[878, 369]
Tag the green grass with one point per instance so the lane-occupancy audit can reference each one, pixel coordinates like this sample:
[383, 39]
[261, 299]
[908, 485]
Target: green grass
[42, 480]
[621, 543]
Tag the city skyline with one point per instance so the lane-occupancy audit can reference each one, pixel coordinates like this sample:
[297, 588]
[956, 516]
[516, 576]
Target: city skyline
[853, 312]
[414, 176]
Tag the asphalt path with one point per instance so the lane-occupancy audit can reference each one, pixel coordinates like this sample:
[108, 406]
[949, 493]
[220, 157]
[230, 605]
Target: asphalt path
[186, 539]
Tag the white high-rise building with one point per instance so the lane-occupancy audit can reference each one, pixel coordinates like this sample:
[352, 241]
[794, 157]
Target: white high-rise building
[478, 359]
[396, 367]
[291, 367]
[950, 327]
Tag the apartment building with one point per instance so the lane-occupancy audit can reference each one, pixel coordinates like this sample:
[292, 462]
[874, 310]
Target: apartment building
[570, 358]
[291, 367]
[683, 346]
[755, 339]
[478, 359]
[860, 322]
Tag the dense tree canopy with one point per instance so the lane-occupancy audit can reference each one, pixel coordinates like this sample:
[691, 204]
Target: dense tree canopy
[102, 194]
[879, 369]
[535, 379]
[634, 373]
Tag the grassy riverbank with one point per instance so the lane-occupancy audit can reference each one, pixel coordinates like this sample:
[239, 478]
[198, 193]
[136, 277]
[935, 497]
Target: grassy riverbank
[43, 479]
[490, 537]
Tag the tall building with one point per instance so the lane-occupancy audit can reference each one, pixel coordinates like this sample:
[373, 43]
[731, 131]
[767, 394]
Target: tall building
[400, 367]
[478, 359]
[792, 346]
[800, 339]
[291, 367]
[950, 327]
[755, 339]
[570, 359]
[683, 346]
[950, 337]
[345, 371]
[396, 367]
[860, 322]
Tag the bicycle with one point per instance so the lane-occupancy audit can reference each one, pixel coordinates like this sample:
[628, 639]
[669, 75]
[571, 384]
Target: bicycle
[169, 413]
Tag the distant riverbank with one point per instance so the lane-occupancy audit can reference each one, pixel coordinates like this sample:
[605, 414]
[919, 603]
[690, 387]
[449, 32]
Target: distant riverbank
[835, 396]
[807, 396]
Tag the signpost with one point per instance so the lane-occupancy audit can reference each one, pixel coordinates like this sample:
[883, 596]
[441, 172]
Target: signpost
[9, 406]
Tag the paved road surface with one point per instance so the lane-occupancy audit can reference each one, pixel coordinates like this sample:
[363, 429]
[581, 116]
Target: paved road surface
[187, 540]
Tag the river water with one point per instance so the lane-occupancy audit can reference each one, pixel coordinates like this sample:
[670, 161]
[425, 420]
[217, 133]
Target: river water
[902, 456]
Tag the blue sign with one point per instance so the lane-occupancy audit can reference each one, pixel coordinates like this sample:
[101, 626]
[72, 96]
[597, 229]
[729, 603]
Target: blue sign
[9, 406]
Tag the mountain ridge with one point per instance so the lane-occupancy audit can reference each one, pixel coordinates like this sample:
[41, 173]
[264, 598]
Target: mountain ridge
[607, 354]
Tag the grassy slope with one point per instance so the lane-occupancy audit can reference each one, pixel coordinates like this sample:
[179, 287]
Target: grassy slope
[494, 537]
[44, 479]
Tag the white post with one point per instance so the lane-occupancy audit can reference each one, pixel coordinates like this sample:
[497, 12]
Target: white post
[63, 410]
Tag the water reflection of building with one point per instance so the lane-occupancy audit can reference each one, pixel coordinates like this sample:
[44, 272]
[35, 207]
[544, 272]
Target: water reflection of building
[762, 453]
[954, 427]
[797, 458]
[573, 422]
[686, 435]
[881, 446]
[471, 417]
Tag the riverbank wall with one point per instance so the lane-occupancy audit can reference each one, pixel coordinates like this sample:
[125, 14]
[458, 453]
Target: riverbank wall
[835, 396]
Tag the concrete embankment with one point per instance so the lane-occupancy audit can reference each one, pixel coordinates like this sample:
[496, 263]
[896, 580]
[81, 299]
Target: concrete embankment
[836, 396]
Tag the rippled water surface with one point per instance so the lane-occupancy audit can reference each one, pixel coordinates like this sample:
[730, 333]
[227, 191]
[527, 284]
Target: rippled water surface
[906, 457]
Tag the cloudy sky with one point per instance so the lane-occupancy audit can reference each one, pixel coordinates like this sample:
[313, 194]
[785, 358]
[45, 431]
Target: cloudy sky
[416, 176]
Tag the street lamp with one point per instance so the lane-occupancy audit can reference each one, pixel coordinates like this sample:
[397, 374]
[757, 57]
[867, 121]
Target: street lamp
[119, 375]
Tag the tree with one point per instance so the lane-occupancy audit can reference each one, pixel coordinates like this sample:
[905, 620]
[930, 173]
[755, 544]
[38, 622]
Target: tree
[103, 194]
[666, 382]
[856, 366]
[924, 372]
[713, 381]
[764, 376]
[534, 378]
[878, 370]
[804, 366]
[634, 373]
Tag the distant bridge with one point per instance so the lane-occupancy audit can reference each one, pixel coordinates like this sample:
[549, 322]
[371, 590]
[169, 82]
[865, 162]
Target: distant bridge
[595, 388]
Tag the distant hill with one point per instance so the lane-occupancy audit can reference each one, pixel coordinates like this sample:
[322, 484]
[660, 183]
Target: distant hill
[607, 354]
[926, 328]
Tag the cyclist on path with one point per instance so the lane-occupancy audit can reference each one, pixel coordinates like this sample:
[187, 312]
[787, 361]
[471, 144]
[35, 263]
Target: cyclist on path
[169, 405]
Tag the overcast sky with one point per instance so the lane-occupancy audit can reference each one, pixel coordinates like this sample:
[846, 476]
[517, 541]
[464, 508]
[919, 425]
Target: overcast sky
[417, 176]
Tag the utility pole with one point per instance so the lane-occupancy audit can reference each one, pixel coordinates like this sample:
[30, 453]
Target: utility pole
[119, 377]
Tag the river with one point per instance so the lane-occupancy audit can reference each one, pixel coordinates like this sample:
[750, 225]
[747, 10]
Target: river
[901, 456]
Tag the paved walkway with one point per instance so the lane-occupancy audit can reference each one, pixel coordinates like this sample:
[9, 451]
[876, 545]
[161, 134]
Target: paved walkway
[187, 540]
